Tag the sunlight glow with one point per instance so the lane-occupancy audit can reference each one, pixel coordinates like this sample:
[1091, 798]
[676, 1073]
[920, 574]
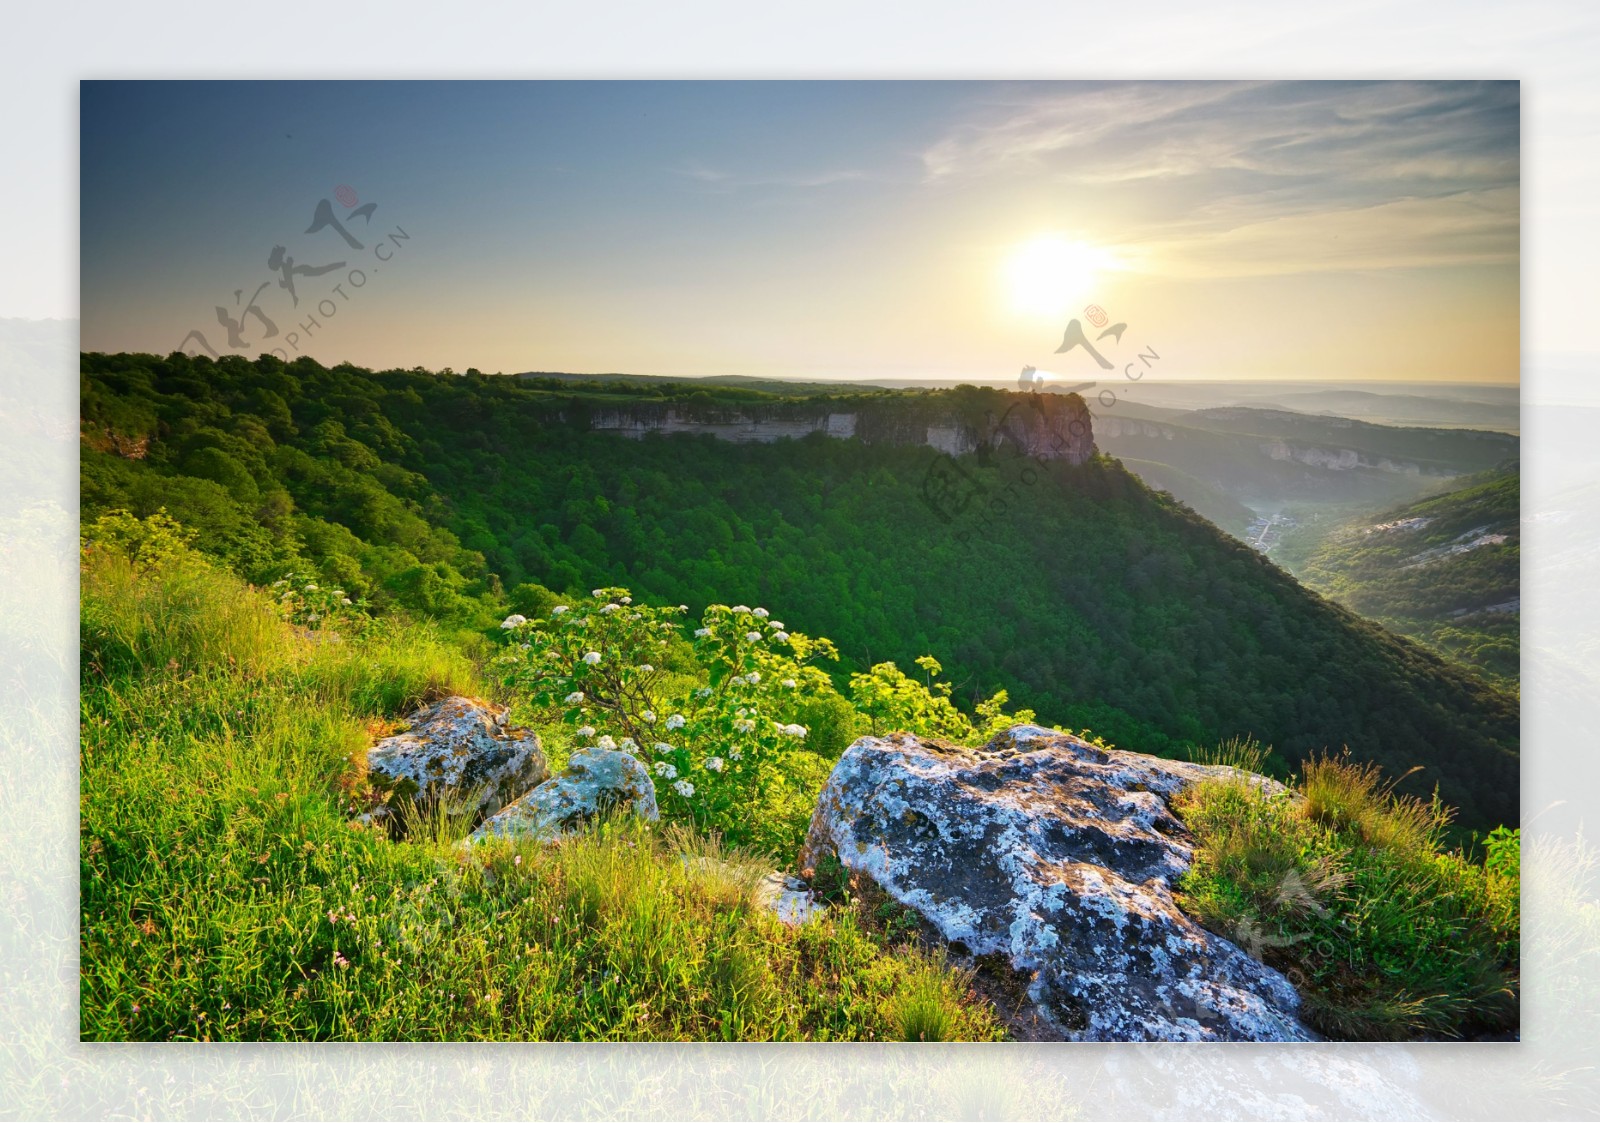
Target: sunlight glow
[1050, 275]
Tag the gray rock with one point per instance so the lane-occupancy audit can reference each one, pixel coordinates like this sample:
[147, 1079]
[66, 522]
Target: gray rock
[1059, 857]
[596, 781]
[459, 748]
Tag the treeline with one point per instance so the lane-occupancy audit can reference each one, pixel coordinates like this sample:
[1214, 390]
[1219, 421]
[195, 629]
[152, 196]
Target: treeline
[1093, 600]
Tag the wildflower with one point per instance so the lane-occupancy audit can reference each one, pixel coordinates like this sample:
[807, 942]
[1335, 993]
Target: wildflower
[683, 608]
[735, 754]
[592, 658]
[627, 600]
[338, 592]
[753, 677]
[676, 721]
[789, 682]
[703, 692]
[605, 743]
[644, 669]
[761, 612]
[778, 624]
[702, 633]
[683, 788]
[311, 588]
[714, 764]
[663, 747]
[516, 619]
[597, 593]
[575, 698]
[558, 610]
[795, 730]
[346, 600]
[585, 731]
[629, 744]
[524, 647]
[666, 770]
[337, 958]
[740, 608]
[744, 726]
[517, 861]
[752, 637]
[608, 610]
[781, 637]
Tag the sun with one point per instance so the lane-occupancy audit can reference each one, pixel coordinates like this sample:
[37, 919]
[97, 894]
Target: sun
[1049, 275]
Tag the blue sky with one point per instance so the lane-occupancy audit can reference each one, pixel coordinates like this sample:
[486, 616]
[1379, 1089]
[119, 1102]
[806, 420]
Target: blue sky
[820, 230]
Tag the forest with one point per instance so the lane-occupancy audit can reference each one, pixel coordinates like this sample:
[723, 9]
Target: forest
[1093, 600]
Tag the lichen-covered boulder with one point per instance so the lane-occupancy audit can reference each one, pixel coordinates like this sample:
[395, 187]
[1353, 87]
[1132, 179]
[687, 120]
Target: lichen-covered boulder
[1059, 857]
[596, 781]
[460, 748]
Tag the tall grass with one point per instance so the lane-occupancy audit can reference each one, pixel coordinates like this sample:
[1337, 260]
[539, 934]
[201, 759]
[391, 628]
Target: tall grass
[1348, 887]
[226, 895]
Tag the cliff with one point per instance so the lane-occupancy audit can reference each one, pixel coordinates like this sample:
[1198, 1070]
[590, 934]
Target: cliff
[1042, 426]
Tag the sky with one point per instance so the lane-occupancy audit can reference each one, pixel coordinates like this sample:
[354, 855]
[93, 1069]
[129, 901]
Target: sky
[819, 230]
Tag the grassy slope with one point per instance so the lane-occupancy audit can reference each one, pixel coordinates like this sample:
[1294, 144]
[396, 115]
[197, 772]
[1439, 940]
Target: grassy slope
[224, 895]
[1441, 602]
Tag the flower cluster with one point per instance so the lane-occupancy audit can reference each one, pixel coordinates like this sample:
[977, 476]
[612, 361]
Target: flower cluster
[309, 605]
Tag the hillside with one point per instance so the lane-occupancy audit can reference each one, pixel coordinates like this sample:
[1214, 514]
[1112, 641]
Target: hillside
[1445, 570]
[1093, 600]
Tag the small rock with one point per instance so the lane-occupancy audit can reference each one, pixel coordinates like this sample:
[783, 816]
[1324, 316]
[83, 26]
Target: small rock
[789, 898]
[596, 781]
[459, 747]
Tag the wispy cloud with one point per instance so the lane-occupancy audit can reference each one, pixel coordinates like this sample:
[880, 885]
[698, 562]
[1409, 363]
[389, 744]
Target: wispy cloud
[735, 181]
[1268, 177]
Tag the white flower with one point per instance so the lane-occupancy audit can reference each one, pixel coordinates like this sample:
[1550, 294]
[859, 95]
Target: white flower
[753, 677]
[789, 682]
[752, 637]
[346, 600]
[663, 747]
[676, 721]
[683, 788]
[778, 624]
[514, 620]
[524, 647]
[713, 764]
[338, 592]
[608, 610]
[644, 669]
[605, 743]
[703, 692]
[592, 658]
[781, 637]
[745, 725]
[585, 731]
[741, 711]
[575, 698]
[558, 610]
[761, 612]
[740, 608]
[702, 633]
[627, 600]
[311, 588]
[597, 592]
[795, 730]
[666, 770]
[735, 754]
[683, 608]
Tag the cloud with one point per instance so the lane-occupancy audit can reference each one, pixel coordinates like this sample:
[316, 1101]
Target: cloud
[1264, 177]
[729, 181]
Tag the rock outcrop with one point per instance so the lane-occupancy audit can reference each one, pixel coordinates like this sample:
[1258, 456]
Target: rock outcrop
[597, 781]
[1041, 426]
[1060, 858]
[461, 747]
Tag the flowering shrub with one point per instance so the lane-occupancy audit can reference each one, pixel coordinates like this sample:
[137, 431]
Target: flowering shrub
[720, 742]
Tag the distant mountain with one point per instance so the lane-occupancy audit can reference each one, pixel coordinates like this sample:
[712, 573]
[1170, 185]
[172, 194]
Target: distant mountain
[1444, 570]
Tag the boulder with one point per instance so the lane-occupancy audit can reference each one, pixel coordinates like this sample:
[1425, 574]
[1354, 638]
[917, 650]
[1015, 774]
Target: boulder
[460, 748]
[1056, 860]
[596, 781]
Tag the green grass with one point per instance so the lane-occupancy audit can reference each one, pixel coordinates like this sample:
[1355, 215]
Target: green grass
[1349, 888]
[225, 895]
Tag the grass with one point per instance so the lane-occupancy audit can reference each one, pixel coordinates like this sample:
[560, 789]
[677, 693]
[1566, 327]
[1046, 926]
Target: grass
[1349, 888]
[225, 895]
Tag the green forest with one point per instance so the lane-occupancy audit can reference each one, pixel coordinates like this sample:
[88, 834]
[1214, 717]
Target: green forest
[1093, 600]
